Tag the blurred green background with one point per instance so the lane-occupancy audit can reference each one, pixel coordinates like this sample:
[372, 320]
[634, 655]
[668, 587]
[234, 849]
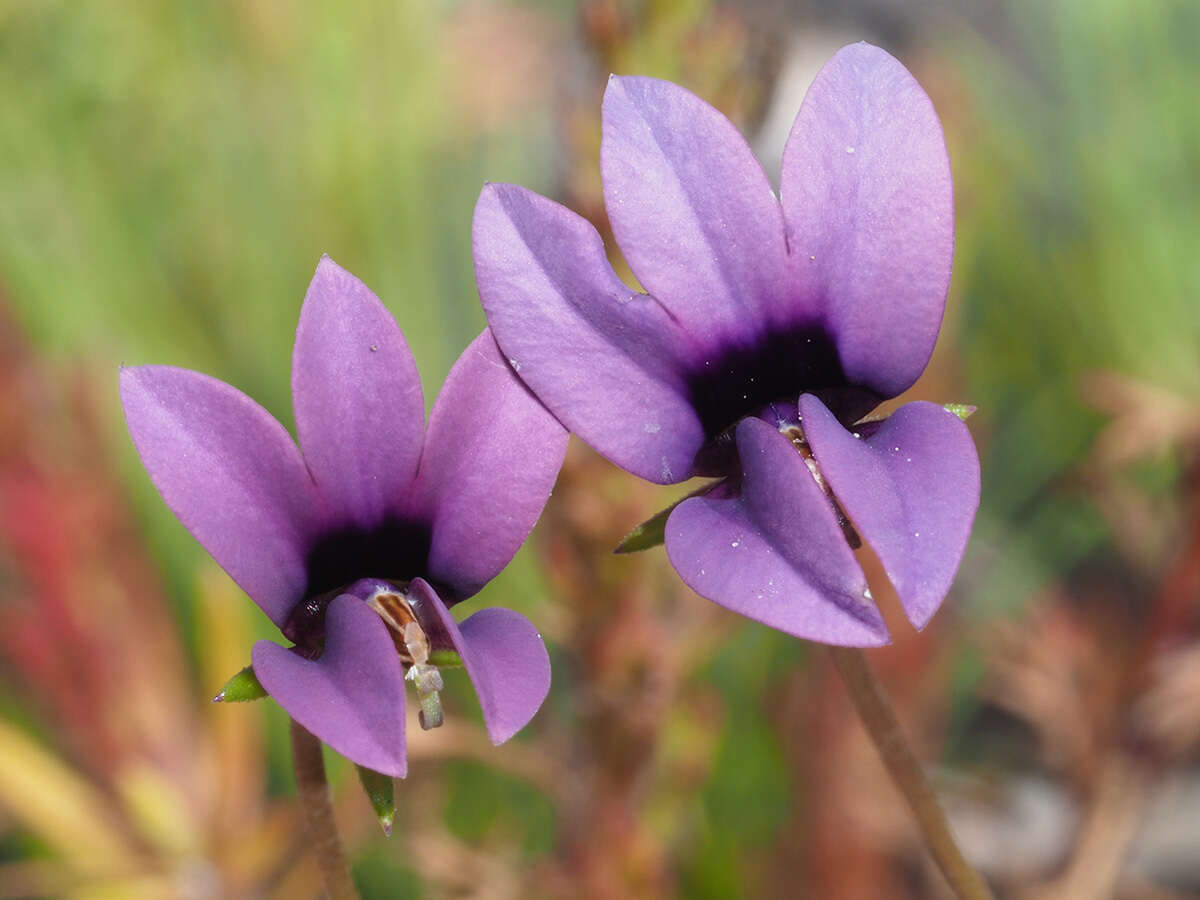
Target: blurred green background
[169, 176]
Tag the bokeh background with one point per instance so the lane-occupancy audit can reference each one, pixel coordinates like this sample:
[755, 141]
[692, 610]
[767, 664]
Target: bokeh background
[170, 173]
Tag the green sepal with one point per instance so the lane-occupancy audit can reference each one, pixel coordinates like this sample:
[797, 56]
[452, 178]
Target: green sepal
[649, 534]
[445, 659]
[652, 532]
[963, 410]
[380, 790]
[242, 687]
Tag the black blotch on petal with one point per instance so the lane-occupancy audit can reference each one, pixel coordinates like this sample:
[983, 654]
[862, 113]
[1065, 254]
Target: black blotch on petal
[740, 380]
[396, 550]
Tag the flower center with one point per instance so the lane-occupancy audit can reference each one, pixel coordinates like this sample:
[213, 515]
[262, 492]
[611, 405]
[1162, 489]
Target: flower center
[740, 380]
[421, 640]
[395, 551]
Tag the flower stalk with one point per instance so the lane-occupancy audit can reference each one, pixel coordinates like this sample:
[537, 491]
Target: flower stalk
[877, 716]
[313, 791]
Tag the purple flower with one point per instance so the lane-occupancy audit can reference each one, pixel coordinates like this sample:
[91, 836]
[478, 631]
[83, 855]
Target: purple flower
[356, 547]
[769, 326]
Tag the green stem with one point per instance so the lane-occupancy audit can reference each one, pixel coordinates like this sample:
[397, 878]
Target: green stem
[313, 791]
[877, 716]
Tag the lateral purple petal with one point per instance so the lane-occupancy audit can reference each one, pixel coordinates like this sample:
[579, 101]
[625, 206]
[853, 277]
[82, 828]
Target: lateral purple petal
[911, 489]
[230, 473]
[775, 552]
[352, 697]
[603, 358]
[867, 193]
[491, 457]
[691, 209]
[357, 396]
[505, 659]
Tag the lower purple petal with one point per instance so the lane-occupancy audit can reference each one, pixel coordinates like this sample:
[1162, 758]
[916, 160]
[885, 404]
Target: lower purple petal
[505, 659]
[911, 488]
[352, 697]
[775, 552]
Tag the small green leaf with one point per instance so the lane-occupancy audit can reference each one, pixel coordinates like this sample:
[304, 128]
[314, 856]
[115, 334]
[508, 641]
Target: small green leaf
[652, 532]
[380, 791]
[241, 687]
[962, 410]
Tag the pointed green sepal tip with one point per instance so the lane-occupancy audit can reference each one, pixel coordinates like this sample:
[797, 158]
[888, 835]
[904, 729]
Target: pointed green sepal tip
[652, 532]
[380, 791]
[963, 410]
[242, 687]
[649, 534]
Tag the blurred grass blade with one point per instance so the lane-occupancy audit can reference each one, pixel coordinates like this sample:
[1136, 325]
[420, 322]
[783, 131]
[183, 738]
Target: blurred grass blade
[61, 808]
[159, 811]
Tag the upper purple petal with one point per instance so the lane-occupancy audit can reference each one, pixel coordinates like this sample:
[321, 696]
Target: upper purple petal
[490, 461]
[691, 209]
[352, 697]
[911, 488]
[357, 395]
[775, 552]
[230, 473]
[867, 193]
[604, 359]
[505, 659]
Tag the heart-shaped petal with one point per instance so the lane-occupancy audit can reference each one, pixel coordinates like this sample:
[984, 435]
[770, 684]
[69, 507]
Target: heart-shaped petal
[505, 659]
[352, 697]
[911, 489]
[775, 552]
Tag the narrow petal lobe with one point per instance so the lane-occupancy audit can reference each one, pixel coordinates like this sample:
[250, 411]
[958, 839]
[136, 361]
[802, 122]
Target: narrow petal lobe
[357, 396]
[775, 552]
[691, 209]
[505, 659]
[867, 193]
[490, 461]
[230, 473]
[603, 358]
[352, 697]
[911, 488]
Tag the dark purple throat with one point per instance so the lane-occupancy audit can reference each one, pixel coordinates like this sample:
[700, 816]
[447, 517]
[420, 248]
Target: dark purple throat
[397, 551]
[740, 380]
